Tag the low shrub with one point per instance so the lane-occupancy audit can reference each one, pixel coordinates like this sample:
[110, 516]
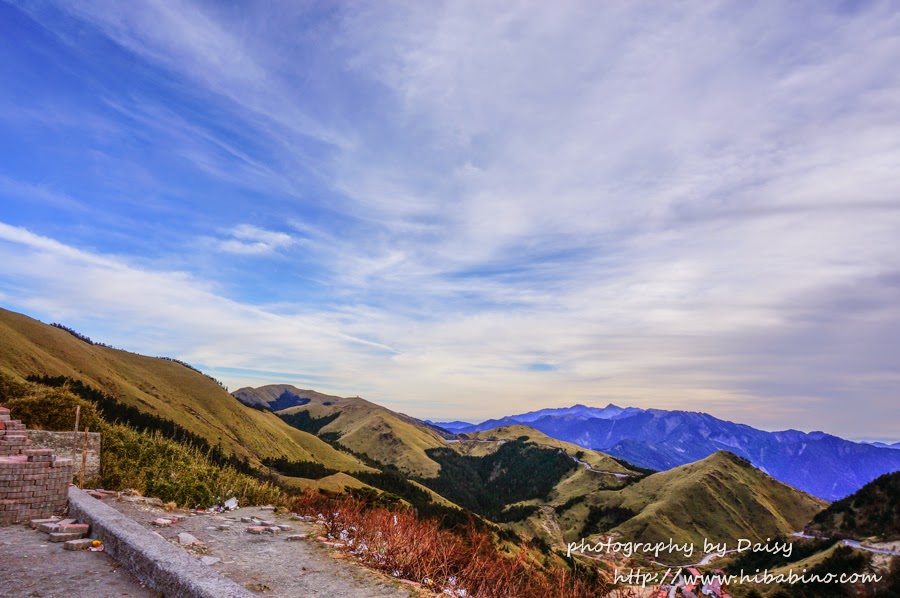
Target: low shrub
[462, 562]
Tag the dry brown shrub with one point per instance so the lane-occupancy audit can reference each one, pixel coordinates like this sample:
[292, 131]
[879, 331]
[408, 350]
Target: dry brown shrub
[404, 546]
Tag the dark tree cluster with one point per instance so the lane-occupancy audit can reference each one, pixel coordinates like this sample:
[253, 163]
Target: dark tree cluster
[602, 519]
[298, 469]
[78, 335]
[874, 510]
[517, 471]
[303, 421]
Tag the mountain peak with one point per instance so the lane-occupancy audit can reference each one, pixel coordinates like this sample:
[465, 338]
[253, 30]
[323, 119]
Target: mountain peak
[724, 481]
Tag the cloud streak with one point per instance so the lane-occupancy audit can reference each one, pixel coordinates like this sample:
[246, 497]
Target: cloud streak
[251, 240]
[478, 208]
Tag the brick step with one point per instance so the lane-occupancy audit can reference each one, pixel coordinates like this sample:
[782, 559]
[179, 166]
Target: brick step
[66, 536]
[36, 523]
[51, 527]
[84, 544]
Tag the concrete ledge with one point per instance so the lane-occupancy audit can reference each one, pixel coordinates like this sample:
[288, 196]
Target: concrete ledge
[160, 565]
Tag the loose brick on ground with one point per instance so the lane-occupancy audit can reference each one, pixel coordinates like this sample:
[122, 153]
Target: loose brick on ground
[82, 544]
[65, 536]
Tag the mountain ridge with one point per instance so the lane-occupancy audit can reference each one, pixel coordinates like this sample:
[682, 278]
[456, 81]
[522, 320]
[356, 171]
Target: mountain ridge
[816, 462]
[364, 427]
[164, 387]
[721, 498]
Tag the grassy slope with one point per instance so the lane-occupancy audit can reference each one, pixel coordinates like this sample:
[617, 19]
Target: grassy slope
[382, 434]
[478, 447]
[722, 498]
[159, 386]
[337, 482]
[264, 395]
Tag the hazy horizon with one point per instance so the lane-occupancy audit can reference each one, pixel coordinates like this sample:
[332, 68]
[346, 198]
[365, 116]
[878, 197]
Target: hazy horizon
[476, 207]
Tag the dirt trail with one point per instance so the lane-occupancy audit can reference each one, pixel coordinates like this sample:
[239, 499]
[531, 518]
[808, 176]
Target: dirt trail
[269, 564]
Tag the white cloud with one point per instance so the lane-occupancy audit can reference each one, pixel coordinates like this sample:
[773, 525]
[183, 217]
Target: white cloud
[673, 205]
[251, 240]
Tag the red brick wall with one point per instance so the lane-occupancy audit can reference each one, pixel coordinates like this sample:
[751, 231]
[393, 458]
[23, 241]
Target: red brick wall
[33, 482]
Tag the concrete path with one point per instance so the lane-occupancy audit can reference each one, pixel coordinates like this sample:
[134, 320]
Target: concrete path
[269, 564]
[30, 566]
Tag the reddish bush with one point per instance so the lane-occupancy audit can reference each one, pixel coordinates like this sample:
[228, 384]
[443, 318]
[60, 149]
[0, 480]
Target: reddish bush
[465, 563]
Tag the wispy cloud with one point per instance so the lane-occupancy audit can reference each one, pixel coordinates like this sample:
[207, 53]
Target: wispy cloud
[12, 190]
[251, 240]
[478, 205]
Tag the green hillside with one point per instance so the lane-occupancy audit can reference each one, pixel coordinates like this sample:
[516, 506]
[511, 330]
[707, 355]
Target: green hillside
[363, 427]
[722, 498]
[162, 387]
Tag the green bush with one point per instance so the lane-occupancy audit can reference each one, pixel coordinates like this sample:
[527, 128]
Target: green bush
[160, 467]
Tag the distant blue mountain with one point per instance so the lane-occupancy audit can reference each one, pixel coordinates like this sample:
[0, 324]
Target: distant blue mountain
[455, 426]
[896, 445]
[818, 463]
[580, 411]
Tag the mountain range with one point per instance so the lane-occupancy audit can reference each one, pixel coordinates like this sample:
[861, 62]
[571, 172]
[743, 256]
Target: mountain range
[536, 474]
[895, 445]
[821, 464]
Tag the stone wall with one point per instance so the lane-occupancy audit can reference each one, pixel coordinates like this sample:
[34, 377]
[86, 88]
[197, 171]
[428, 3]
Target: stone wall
[33, 482]
[61, 445]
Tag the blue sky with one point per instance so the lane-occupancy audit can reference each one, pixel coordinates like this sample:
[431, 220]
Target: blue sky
[470, 209]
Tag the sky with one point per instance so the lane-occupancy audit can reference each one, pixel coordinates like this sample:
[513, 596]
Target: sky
[469, 209]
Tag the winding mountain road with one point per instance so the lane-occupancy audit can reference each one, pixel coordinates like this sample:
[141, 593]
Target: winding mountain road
[854, 544]
[620, 476]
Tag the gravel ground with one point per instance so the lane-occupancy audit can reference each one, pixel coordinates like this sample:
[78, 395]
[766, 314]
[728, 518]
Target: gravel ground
[268, 564]
[32, 566]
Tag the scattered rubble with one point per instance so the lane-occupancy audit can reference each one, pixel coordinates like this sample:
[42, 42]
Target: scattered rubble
[161, 522]
[255, 545]
[186, 539]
